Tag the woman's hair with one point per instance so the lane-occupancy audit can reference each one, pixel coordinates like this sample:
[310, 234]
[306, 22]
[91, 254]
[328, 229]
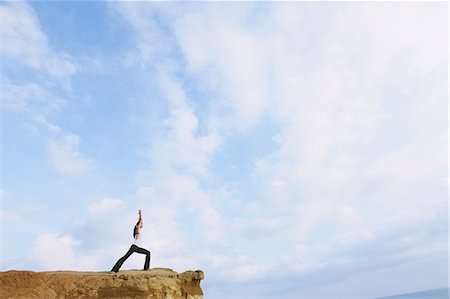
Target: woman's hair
[135, 230]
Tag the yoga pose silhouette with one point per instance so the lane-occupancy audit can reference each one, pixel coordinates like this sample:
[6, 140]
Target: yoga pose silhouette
[135, 247]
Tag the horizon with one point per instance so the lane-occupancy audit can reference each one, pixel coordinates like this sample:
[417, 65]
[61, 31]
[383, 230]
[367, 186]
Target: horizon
[285, 149]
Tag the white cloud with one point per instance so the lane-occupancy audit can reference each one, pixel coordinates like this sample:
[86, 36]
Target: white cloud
[167, 199]
[180, 144]
[38, 103]
[66, 157]
[151, 45]
[244, 272]
[229, 56]
[349, 215]
[212, 224]
[327, 97]
[91, 242]
[24, 41]
[30, 98]
[106, 223]
[410, 235]
[104, 233]
[332, 93]
[412, 161]
[105, 206]
[58, 252]
[415, 44]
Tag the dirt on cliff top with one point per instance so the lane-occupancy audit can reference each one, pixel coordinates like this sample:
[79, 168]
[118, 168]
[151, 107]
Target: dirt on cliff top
[154, 283]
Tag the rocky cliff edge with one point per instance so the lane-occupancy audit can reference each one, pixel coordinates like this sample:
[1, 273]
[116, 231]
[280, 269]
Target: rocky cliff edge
[155, 283]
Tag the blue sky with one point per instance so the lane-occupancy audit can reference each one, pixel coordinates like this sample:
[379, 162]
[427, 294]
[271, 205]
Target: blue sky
[286, 149]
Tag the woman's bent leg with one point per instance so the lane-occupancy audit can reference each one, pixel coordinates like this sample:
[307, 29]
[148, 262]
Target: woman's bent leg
[120, 262]
[147, 256]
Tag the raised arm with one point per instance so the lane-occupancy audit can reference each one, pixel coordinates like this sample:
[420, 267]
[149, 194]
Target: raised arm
[139, 224]
[140, 217]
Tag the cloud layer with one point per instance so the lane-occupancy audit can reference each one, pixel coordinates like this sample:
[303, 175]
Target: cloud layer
[282, 146]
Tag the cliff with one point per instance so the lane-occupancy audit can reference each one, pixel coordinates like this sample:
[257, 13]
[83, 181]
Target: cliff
[155, 283]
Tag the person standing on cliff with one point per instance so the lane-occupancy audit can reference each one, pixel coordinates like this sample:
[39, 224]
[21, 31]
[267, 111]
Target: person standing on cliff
[135, 247]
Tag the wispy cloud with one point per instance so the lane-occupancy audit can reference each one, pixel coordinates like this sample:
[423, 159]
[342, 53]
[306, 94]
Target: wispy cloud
[30, 98]
[181, 146]
[38, 104]
[57, 252]
[331, 99]
[40, 99]
[282, 146]
[25, 42]
[66, 157]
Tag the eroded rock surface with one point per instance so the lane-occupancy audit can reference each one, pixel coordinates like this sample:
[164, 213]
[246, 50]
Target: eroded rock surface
[156, 283]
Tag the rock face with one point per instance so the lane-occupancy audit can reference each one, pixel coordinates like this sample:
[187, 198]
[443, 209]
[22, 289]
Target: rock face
[158, 283]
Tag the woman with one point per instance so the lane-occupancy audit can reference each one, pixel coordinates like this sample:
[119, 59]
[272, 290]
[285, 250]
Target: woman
[135, 247]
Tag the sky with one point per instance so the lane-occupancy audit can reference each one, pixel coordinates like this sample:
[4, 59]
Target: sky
[287, 149]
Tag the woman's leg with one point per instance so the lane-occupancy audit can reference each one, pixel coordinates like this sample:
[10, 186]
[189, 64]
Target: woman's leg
[123, 258]
[147, 256]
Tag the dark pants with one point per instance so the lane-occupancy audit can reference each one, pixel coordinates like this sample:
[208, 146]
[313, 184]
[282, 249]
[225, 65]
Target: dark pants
[132, 249]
